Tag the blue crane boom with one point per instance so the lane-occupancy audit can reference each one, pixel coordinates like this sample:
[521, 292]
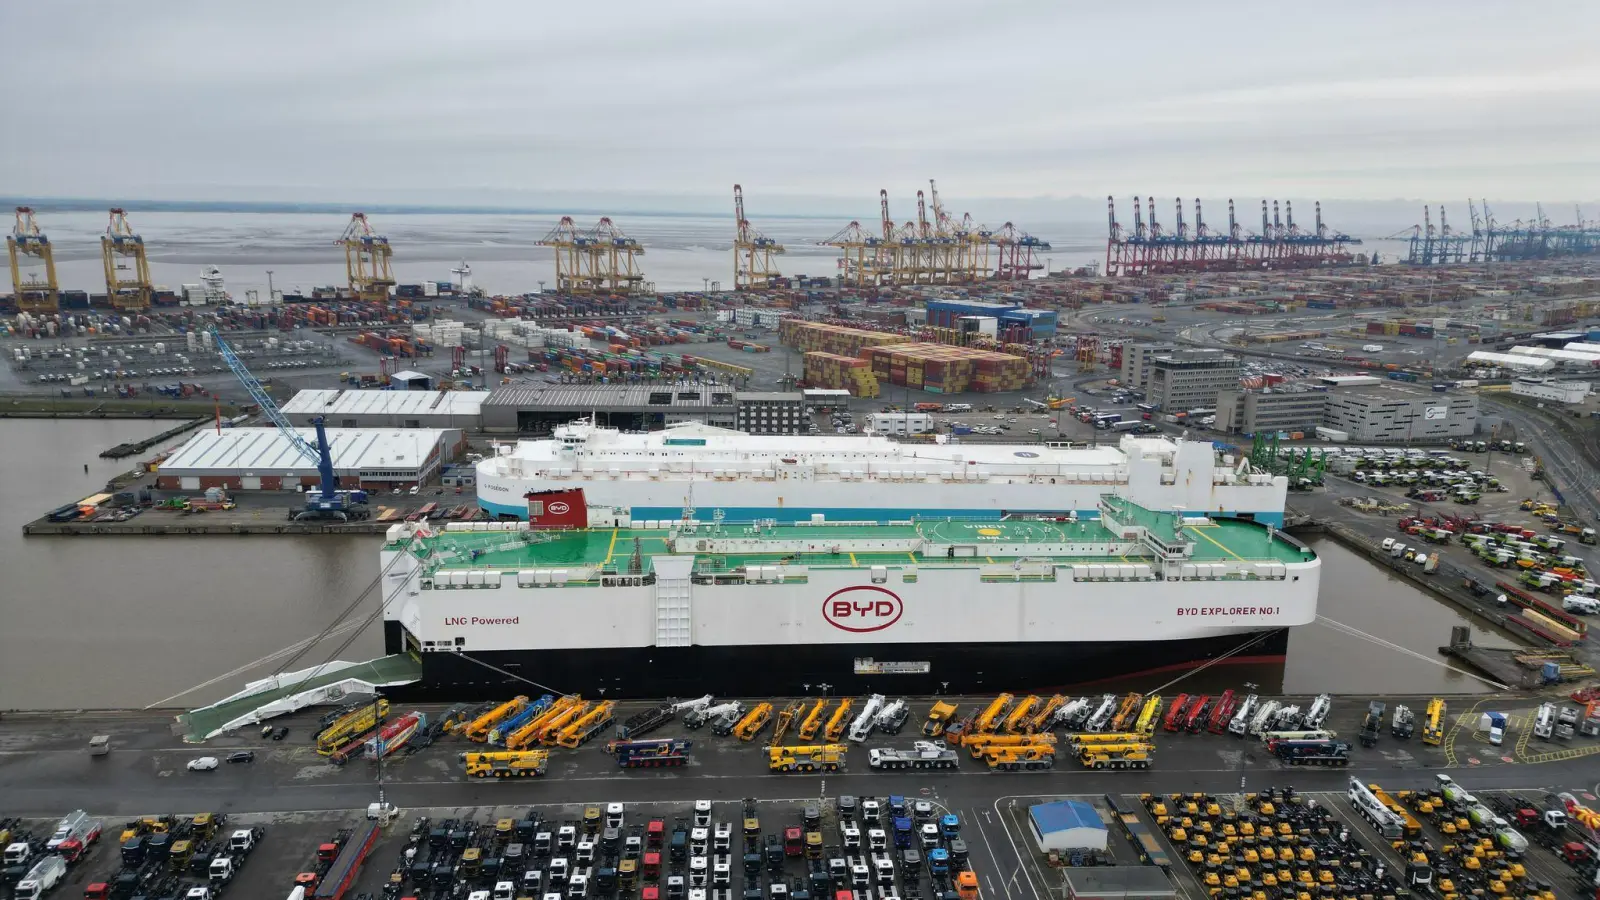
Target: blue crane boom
[328, 501]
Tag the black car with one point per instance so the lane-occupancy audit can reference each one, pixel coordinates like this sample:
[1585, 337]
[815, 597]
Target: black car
[242, 756]
[280, 732]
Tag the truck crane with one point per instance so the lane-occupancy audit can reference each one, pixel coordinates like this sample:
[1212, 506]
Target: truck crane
[326, 501]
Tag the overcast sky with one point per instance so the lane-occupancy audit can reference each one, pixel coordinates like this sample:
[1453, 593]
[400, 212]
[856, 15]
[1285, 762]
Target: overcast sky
[546, 103]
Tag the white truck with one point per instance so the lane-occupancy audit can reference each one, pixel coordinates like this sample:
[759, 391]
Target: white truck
[861, 728]
[44, 876]
[1544, 721]
[922, 755]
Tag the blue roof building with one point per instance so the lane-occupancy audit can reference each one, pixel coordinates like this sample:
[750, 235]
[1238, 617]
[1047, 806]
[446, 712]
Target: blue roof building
[1067, 825]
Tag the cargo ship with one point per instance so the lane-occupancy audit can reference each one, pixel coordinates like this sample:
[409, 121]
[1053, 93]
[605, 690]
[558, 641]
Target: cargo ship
[594, 600]
[790, 478]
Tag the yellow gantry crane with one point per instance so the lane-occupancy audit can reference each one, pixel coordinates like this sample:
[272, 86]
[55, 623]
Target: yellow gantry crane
[753, 268]
[937, 250]
[122, 250]
[27, 241]
[601, 260]
[366, 257]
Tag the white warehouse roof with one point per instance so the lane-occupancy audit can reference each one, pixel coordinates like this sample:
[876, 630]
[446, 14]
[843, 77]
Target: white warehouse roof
[266, 451]
[376, 402]
[1562, 355]
[1511, 360]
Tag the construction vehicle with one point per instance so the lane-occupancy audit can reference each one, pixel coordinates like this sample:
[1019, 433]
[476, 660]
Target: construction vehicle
[355, 722]
[1222, 714]
[1175, 714]
[1402, 724]
[992, 714]
[1311, 752]
[587, 725]
[753, 722]
[1317, 714]
[922, 755]
[1100, 719]
[342, 873]
[892, 717]
[807, 758]
[506, 763]
[1023, 758]
[73, 835]
[813, 720]
[1149, 716]
[650, 753]
[513, 723]
[702, 715]
[938, 718]
[41, 879]
[326, 501]
[478, 729]
[1433, 722]
[1127, 712]
[1133, 755]
[834, 731]
[1544, 721]
[1040, 721]
[786, 718]
[1194, 720]
[1372, 723]
[1389, 825]
[644, 723]
[979, 744]
[533, 732]
[1085, 738]
[1019, 714]
[861, 728]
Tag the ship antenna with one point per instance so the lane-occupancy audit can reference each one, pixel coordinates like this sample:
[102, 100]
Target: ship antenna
[636, 562]
[717, 515]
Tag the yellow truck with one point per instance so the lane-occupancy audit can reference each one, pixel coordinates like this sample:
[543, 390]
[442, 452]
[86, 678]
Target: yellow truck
[1027, 757]
[1116, 756]
[786, 718]
[1433, 722]
[553, 728]
[938, 718]
[807, 758]
[838, 722]
[753, 722]
[979, 744]
[1150, 716]
[506, 764]
[1040, 721]
[1127, 713]
[991, 715]
[812, 723]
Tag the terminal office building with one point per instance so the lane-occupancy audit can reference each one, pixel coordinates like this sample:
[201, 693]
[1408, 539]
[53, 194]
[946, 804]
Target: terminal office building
[538, 409]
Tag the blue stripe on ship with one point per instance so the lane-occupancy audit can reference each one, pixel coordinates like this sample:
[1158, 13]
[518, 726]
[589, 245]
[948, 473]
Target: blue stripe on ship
[830, 513]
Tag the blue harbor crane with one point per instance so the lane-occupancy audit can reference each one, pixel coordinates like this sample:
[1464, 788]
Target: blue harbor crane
[325, 501]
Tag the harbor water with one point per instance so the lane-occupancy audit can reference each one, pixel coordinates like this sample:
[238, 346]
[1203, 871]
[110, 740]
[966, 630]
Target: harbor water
[111, 622]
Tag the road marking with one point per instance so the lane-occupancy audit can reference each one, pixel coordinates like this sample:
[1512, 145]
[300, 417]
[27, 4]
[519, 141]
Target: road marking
[612, 547]
[1455, 729]
[853, 559]
[1015, 849]
[1213, 540]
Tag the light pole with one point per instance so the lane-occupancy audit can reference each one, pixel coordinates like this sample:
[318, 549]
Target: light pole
[1250, 688]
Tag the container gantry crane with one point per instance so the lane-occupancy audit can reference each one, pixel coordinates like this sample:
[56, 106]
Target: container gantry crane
[24, 242]
[366, 256]
[753, 268]
[571, 257]
[122, 250]
[326, 501]
[615, 262]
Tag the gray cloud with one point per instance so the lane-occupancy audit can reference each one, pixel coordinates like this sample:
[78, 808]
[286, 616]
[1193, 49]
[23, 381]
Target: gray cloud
[496, 100]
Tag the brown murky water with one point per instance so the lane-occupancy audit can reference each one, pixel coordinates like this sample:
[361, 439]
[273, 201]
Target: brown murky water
[132, 621]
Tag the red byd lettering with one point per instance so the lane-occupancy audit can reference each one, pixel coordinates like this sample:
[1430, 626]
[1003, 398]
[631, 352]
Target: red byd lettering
[1229, 610]
[874, 610]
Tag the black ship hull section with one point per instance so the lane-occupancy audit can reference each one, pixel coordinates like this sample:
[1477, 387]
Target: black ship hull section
[748, 671]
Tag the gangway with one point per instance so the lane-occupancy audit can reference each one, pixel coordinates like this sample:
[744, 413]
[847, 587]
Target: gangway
[287, 692]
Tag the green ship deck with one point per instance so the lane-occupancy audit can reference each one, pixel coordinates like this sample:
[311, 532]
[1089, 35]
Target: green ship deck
[1221, 541]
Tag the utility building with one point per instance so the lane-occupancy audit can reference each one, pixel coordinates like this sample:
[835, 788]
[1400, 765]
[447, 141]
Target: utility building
[1067, 825]
[1186, 380]
[263, 459]
[1401, 414]
[1247, 412]
[782, 412]
[388, 409]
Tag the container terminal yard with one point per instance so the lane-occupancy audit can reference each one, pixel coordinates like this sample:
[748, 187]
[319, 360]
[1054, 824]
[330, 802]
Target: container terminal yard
[527, 792]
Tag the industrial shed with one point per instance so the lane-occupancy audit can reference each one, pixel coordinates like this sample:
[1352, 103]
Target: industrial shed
[264, 459]
[537, 409]
[1067, 825]
[1119, 883]
[388, 409]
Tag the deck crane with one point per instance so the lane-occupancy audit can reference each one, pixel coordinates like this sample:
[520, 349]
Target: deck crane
[122, 249]
[366, 257]
[326, 501]
[26, 240]
[753, 268]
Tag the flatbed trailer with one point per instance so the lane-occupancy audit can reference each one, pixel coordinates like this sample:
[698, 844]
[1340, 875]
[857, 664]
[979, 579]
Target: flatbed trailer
[347, 864]
[1138, 834]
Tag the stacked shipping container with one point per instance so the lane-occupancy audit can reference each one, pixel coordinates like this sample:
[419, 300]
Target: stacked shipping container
[944, 369]
[835, 339]
[836, 372]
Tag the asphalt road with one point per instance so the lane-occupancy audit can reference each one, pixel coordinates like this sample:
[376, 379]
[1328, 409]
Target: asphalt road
[1579, 484]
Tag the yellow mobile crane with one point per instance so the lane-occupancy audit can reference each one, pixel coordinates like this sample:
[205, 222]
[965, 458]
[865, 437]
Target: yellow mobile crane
[1116, 756]
[507, 764]
[753, 268]
[1150, 716]
[1041, 719]
[1019, 713]
[1126, 712]
[990, 717]
[1433, 722]
[534, 732]
[586, 726]
[786, 718]
[366, 258]
[26, 240]
[753, 722]
[816, 758]
[812, 721]
[121, 249]
[554, 726]
[836, 724]
[478, 729]
[980, 744]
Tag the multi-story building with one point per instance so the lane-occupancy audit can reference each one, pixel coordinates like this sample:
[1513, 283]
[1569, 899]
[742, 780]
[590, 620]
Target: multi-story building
[782, 412]
[1549, 389]
[1186, 380]
[1136, 362]
[1247, 412]
[1400, 413]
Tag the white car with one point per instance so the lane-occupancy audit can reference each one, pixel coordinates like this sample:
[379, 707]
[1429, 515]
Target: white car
[203, 764]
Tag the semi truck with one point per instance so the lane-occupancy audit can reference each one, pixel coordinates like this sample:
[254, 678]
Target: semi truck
[347, 864]
[922, 755]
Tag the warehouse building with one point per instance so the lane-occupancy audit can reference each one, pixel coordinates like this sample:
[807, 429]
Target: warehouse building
[1118, 883]
[1242, 411]
[537, 409]
[1485, 359]
[1186, 380]
[388, 409]
[1066, 825]
[263, 459]
[771, 413]
[1551, 391]
[1400, 414]
[1136, 359]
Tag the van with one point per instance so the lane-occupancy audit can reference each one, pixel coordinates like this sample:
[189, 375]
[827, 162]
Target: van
[1583, 606]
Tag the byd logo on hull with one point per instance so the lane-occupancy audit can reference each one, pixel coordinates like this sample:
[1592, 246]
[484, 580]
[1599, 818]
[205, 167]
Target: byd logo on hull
[862, 608]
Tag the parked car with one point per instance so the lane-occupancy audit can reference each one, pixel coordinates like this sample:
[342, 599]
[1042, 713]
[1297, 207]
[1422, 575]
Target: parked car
[242, 756]
[203, 764]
